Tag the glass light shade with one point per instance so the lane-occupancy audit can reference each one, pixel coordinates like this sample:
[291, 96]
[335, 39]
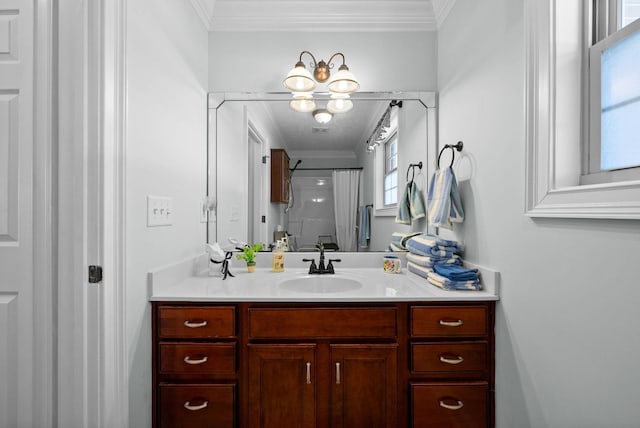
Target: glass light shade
[322, 116]
[303, 105]
[299, 79]
[339, 105]
[343, 82]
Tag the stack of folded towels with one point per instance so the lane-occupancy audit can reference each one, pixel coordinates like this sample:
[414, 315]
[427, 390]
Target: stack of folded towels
[438, 261]
[399, 240]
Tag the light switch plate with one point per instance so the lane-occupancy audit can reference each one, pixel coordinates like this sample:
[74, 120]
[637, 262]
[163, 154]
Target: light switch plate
[159, 211]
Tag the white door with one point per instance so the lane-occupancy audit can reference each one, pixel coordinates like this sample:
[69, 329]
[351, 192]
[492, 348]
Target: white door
[17, 283]
[256, 200]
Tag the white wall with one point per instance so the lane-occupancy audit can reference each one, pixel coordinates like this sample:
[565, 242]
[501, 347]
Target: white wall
[567, 335]
[383, 61]
[165, 156]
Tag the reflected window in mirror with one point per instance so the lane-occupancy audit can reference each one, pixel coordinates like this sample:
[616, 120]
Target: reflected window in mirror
[390, 182]
[386, 169]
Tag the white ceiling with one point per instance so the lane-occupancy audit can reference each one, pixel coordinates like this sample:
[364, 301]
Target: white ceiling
[346, 130]
[322, 15]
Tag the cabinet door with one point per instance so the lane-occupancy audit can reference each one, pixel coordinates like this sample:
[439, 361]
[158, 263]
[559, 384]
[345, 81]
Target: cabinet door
[282, 386]
[364, 386]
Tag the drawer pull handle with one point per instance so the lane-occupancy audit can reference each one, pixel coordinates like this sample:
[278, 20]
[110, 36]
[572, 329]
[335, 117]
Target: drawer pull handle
[337, 373]
[451, 323]
[201, 360]
[308, 373]
[195, 324]
[193, 408]
[451, 359]
[459, 404]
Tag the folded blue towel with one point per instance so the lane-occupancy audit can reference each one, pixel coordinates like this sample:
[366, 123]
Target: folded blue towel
[427, 246]
[455, 272]
[443, 199]
[365, 227]
[423, 271]
[433, 240]
[400, 238]
[431, 261]
[447, 284]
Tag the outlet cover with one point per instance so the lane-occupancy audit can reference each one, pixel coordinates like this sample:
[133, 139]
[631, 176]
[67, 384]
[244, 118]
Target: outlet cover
[159, 211]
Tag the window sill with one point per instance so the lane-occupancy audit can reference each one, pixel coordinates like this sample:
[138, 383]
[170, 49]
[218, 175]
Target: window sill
[386, 212]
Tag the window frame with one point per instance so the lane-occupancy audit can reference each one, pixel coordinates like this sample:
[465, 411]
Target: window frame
[602, 40]
[386, 172]
[544, 197]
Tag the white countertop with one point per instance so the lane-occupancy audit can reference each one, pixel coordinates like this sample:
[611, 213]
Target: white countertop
[180, 282]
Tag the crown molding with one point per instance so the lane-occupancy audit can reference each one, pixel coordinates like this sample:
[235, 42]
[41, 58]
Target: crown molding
[441, 10]
[204, 9]
[323, 15]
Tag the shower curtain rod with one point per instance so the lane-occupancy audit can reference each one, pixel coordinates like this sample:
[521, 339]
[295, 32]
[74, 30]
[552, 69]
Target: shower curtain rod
[329, 169]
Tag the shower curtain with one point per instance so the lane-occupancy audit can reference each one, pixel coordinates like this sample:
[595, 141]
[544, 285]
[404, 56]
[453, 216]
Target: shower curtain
[346, 199]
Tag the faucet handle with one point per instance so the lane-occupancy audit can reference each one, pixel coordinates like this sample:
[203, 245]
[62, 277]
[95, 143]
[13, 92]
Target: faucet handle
[312, 267]
[330, 265]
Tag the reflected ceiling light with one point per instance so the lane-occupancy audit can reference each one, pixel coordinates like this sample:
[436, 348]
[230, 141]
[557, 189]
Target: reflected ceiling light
[339, 103]
[302, 102]
[322, 115]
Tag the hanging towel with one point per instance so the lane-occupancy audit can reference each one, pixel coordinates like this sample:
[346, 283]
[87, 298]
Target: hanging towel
[411, 204]
[443, 199]
[365, 227]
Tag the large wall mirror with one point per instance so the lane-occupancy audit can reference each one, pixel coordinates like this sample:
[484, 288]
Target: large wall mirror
[332, 169]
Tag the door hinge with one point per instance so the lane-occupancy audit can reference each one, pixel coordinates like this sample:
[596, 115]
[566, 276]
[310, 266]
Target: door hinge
[264, 219]
[95, 274]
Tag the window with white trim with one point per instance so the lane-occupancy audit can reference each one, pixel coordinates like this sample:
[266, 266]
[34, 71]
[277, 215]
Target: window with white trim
[390, 181]
[559, 157]
[613, 149]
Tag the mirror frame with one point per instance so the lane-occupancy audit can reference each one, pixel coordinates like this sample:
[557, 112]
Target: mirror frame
[216, 99]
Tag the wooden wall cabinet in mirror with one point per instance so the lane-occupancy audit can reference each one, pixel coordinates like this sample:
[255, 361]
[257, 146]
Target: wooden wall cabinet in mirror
[279, 176]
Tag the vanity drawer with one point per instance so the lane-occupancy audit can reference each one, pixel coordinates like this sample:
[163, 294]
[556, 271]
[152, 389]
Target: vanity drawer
[443, 358]
[203, 358]
[451, 405]
[186, 406]
[287, 323]
[196, 321]
[449, 321]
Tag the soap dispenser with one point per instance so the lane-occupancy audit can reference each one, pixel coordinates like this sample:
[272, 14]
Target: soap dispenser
[278, 255]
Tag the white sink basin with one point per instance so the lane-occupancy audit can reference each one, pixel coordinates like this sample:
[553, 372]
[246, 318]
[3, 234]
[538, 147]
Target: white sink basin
[320, 284]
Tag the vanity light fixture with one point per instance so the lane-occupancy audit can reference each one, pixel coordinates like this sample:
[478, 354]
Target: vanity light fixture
[299, 78]
[302, 83]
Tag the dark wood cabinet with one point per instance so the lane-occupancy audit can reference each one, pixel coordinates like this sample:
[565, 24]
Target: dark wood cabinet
[282, 386]
[387, 365]
[364, 386]
[280, 176]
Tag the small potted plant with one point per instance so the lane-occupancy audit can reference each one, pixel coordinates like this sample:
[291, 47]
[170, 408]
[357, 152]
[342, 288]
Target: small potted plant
[248, 254]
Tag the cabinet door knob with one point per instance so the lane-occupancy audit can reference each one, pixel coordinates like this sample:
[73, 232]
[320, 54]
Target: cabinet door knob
[194, 361]
[457, 406]
[451, 323]
[194, 408]
[451, 359]
[195, 324]
[308, 373]
[337, 373]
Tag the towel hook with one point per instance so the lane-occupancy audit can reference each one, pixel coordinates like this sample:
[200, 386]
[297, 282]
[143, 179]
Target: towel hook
[412, 168]
[457, 146]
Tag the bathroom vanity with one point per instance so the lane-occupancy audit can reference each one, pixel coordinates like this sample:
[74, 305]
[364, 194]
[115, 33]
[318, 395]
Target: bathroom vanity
[254, 351]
